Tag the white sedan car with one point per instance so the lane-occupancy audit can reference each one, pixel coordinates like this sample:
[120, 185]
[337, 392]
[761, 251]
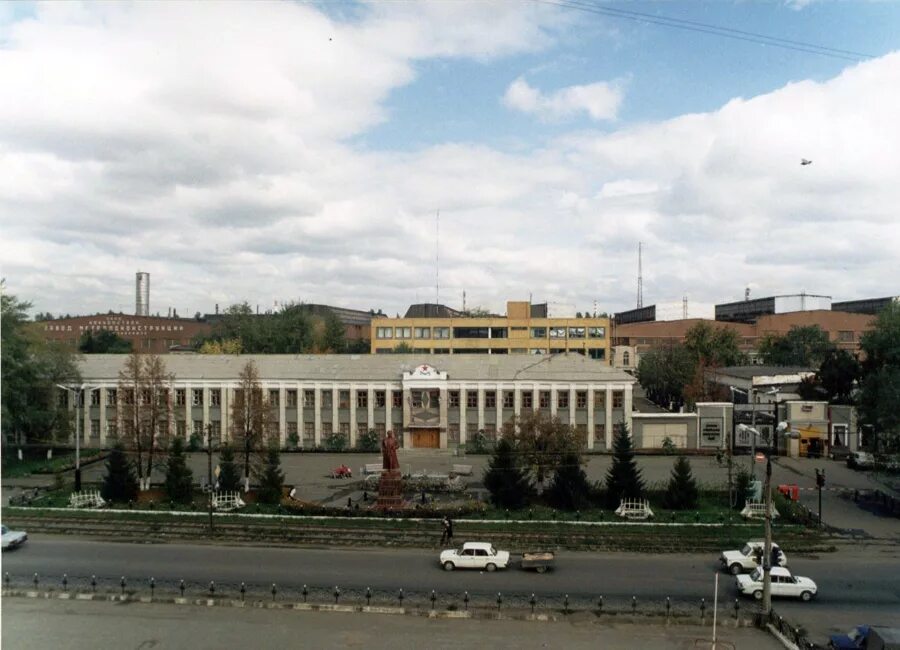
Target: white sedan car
[13, 538]
[475, 555]
[783, 584]
[750, 556]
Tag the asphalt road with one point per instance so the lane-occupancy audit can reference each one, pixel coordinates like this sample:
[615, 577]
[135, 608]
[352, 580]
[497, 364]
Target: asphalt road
[850, 585]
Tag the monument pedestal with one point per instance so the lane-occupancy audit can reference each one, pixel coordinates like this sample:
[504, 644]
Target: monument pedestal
[390, 490]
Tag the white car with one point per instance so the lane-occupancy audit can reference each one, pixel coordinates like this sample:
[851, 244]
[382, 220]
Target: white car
[13, 538]
[860, 460]
[475, 555]
[749, 557]
[783, 584]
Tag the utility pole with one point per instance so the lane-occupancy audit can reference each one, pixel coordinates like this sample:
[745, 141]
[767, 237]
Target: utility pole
[209, 484]
[820, 483]
[767, 550]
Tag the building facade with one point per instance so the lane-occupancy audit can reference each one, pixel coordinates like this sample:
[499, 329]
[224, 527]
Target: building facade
[523, 330]
[432, 401]
[152, 334]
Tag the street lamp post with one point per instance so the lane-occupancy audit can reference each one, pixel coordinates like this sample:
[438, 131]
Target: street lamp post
[79, 392]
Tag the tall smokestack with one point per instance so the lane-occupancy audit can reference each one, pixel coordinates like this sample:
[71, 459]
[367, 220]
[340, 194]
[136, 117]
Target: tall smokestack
[142, 294]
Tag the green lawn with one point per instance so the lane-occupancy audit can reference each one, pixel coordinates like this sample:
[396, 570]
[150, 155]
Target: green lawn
[15, 468]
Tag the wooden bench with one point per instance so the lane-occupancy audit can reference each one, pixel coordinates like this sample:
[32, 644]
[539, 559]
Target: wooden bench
[757, 509]
[86, 499]
[462, 470]
[634, 509]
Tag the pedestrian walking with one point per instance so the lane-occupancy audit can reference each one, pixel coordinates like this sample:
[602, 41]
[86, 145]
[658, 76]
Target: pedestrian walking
[445, 530]
[449, 530]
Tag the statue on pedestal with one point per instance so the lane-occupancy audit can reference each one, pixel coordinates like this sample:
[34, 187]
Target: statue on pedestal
[390, 487]
[389, 453]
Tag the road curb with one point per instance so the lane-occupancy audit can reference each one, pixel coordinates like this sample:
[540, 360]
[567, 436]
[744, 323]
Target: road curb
[789, 645]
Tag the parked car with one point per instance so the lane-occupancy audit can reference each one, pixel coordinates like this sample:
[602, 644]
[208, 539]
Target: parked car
[13, 538]
[860, 460]
[865, 637]
[783, 584]
[475, 555]
[750, 557]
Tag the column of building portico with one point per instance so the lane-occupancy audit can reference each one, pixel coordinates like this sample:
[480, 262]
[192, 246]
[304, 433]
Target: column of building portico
[225, 414]
[170, 412]
[572, 406]
[553, 401]
[352, 416]
[370, 408]
[590, 417]
[481, 408]
[608, 407]
[85, 417]
[462, 414]
[407, 416]
[335, 404]
[317, 416]
[300, 426]
[205, 393]
[626, 404]
[388, 406]
[102, 416]
[498, 402]
[282, 412]
[443, 419]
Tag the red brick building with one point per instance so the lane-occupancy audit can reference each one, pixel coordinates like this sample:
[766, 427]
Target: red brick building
[146, 333]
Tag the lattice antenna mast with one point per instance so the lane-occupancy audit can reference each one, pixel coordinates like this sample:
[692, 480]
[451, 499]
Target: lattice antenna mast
[640, 287]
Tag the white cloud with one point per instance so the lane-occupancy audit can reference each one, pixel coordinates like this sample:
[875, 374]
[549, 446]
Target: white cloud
[209, 144]
[600, 100]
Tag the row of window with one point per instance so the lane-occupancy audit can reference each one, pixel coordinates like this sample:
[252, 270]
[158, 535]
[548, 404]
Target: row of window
[490, 432]
[362, 398]
[487, 332]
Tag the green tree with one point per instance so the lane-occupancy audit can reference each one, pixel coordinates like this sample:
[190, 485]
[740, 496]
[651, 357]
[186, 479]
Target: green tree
[742, 484]
[542, 442]
[879, 395]
[570, 488]
[251, 416]
[119, 483]
[332, 334]
[229, 473]
[271, 478]
[31, 368]
[179, 477]
[623, 479]
[103, 342]
[801, 346]
[505, 478]
[682, 493]
[368, 441]
[838, 375]
[664, 372]
[714, 346]
[286, 331]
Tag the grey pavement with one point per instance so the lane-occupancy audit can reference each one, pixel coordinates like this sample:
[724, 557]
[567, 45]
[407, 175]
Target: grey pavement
[72, 625]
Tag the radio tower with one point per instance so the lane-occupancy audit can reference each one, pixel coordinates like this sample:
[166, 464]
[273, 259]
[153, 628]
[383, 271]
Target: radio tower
[640, 288]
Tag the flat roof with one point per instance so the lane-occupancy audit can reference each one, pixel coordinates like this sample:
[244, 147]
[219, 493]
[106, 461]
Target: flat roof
[369, 367]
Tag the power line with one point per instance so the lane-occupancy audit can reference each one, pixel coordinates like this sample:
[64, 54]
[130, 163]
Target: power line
[715, 30]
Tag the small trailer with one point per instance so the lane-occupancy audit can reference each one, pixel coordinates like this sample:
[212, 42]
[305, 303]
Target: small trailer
[539, 561]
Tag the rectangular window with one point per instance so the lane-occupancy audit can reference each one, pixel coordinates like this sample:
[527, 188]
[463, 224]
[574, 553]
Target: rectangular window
[384, 332]
[442, 332]
[95, 428]
[145, 396]
[557, 332]
[309, 431]
[490, 399]
[422, 332]
[326, 428]
[215, 397]
[273, 397]
[581, 399]
[562, 399]
[509, 399]
[291, 430]
[180, 396]
[490, 431]
[198, 428]
[597, 332]
[538, 332]
[845, 336]
[309, 399]
[453, 433]
[345, 429]
[344, 399]
[163, 397]
[112, 428]
[576, 332]
[618, 399]
[197, 397]
[326, 399]
[362, 428]
[472, 399]
[215, 427]
[181, 428]
[600, 435]
[397, 397]
[403, 332]
[128, 396]
[291, 397]
[599, 400]
[95, 401]
[454, 398]
[362, 399]
[527, 399]
[379, 399]
[544, 397]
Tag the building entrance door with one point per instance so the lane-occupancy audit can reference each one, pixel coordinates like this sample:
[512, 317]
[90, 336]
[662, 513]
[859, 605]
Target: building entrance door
[426, 438]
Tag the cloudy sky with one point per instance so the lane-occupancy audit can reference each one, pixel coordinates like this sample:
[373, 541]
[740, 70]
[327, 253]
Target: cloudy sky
[289, 151]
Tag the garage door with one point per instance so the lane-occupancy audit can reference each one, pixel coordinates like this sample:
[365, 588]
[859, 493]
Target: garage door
[654, 434]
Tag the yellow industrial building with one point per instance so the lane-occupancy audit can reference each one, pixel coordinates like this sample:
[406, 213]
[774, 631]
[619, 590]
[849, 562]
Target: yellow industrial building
[525, 329]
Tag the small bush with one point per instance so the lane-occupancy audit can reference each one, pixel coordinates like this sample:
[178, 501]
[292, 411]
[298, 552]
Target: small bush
[368, 441]
[478, 444]
[335, 442]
